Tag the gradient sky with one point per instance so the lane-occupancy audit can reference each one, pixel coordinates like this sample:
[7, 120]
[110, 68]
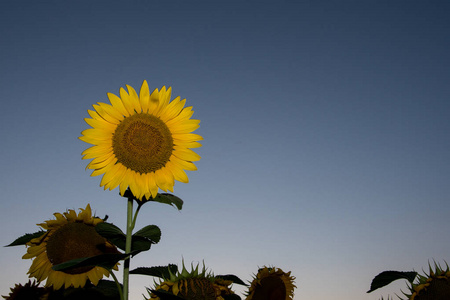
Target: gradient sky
[325, 124]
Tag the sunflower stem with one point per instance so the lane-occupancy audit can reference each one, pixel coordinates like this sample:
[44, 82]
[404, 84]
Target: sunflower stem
[126, 268]
[119, 288]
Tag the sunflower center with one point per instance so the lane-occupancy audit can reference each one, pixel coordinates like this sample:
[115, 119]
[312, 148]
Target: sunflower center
[197, 289]
[142, 143]
[74, 240]
[270, 288]
[439, 289]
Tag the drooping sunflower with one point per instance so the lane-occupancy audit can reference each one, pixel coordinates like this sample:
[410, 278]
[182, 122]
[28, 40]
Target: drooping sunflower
[271, 284]
[69, 237]
[193, 285]
[432, 286]
[141, 142]
[30, 291]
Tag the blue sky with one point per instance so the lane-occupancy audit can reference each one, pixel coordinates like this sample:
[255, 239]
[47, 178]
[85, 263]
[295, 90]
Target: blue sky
[325, 125]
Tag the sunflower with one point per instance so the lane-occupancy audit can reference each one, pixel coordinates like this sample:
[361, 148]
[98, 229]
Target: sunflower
[432, 286]
[194, 285]
[69, 237]
[30, 291]
[271, 284]
[141, 142]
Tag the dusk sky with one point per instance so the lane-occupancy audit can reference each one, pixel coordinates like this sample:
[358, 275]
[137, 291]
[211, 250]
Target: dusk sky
[325, 124]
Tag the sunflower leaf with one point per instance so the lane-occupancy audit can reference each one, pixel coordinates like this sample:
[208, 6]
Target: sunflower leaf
[386, 277]
[151, 232]
[232, 278]
[107, 261]
[112, 233]
[26, 238]
[139, 243]
[169, 199]
[161, 271]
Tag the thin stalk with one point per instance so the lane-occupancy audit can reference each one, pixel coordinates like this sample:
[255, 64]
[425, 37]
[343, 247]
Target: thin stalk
[126, 268]
[117, 283]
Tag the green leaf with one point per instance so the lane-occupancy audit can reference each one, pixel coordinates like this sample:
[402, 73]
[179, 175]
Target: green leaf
[107, 229]
[169, 199]
[386, 277]
[140, 244]
[107, 261]
[232, 278]
[161, 271]
[151, 232]
[112, 233]
[26, 238]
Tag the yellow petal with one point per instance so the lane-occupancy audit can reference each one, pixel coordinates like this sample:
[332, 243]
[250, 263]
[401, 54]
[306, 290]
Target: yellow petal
[105, 115]
[178, 173]
[144, 96]
[126, 101]
[185, 165]
[117, 103]
[110, 110]
[173, 109]
[186, 154]
[153, 104]
[134, 99]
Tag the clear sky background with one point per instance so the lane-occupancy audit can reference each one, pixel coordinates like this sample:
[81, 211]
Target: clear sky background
[325, 124]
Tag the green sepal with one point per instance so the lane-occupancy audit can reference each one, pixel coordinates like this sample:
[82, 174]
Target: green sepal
[386, 277]
[161, 272]
[107, 261]
[232, 278]
[163, 295]
[26, 238]
[151, 232]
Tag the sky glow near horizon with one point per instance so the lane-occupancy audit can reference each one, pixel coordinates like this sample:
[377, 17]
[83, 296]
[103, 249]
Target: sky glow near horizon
[325, 124]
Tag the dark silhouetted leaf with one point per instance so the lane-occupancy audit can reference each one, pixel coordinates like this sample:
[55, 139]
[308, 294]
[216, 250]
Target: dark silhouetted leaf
[112, 233]
[161, 272]
[386, 277]
[232, 278]
[26, 238]
[107, 261]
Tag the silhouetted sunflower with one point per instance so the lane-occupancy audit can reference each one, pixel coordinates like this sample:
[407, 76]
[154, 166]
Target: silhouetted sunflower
[193, 286]
[271, 284]
[432, 286]
[69, 237]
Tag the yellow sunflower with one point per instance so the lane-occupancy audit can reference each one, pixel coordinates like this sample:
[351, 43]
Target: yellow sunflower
[432, 286]
[194, 286]
[271, 284]
[141, 142]
[69, 237]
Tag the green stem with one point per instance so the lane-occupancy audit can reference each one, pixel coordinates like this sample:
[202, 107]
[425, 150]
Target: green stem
[117, 283]
[126, 268]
